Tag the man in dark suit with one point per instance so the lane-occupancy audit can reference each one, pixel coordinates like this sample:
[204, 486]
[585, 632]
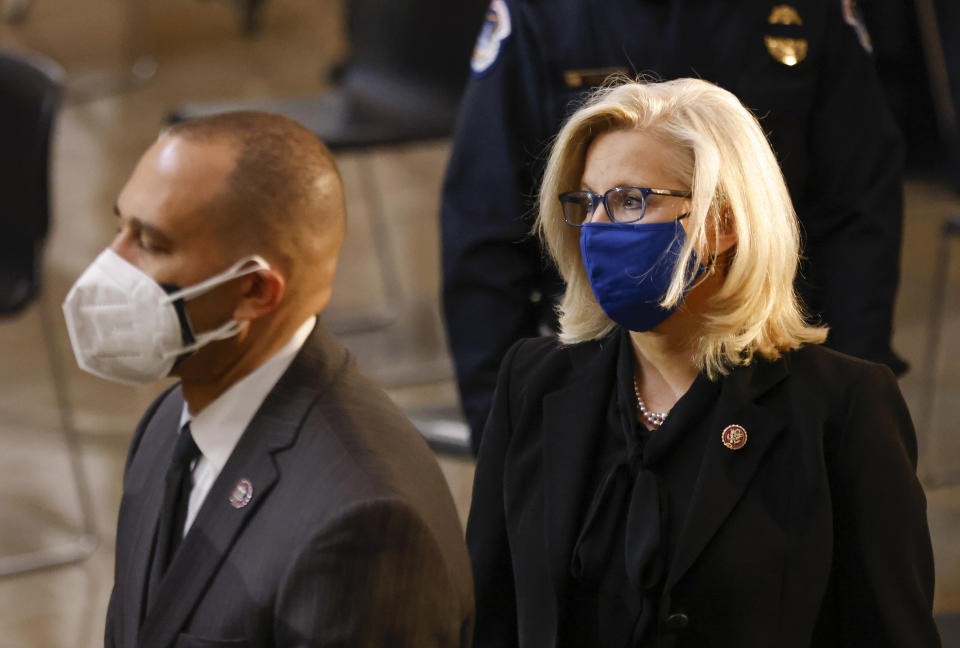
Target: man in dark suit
[274, 496]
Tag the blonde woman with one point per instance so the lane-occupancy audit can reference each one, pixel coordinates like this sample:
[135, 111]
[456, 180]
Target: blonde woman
[685, 465]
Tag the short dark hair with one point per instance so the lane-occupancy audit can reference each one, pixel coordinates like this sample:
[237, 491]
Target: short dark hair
[284, 196]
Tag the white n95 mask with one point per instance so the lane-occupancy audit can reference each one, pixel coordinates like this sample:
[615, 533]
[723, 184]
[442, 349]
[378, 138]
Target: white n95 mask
[125, 327]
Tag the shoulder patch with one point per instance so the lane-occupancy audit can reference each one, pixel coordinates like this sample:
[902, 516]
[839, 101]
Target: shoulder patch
[496, 29]
[852, 16]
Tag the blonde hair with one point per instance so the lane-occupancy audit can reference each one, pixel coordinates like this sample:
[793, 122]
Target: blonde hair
[719, 148]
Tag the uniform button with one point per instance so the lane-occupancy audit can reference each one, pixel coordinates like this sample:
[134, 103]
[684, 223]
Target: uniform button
[676, 621]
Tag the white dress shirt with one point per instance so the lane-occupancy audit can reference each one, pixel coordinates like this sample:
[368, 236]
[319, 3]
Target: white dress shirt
[219, 426]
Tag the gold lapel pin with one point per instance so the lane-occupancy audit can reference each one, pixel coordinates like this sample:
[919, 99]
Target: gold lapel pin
[734, 437]
[242, 494]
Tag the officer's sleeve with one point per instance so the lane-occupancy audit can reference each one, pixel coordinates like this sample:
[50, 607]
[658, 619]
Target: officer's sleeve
[883, 562]
[491, 265]
[854, 216]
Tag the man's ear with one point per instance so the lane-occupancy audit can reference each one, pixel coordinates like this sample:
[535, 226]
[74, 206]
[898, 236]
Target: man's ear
[263, 292]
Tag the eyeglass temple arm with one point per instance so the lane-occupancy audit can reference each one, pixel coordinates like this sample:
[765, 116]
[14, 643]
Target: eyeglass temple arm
[671, 192]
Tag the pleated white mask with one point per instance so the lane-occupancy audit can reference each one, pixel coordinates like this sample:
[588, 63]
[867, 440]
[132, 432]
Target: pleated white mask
[125, 327]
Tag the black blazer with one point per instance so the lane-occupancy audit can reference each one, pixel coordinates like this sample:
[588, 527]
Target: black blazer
[813, 534]
[351, 538]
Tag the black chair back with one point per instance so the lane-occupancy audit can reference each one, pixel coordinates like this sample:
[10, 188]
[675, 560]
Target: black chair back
[416, 51]
[401, 84]
[29, 99]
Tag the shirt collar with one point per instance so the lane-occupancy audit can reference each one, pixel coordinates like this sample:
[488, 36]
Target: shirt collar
[218, 427]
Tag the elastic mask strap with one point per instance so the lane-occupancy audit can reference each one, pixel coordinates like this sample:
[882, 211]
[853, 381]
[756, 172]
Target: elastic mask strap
[193, 340]
[227, 330]
[232, 272]
[186, 331]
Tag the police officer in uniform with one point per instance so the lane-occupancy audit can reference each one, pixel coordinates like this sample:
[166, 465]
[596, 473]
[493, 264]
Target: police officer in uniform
[803, 68]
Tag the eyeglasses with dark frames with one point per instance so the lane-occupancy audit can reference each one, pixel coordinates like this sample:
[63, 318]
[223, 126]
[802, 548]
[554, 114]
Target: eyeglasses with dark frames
[622, 204]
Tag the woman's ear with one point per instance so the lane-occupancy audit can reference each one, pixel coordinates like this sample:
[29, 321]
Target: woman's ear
[264, 289]
[723, 235]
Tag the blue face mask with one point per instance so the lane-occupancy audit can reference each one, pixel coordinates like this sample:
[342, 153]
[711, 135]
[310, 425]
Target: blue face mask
[630, 267]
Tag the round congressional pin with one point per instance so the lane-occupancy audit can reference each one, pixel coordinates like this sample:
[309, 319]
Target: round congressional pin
[495, 30]
[734, 436]
[242, 494]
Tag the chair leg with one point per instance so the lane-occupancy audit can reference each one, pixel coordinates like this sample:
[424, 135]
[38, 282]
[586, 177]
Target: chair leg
[80, 547]
[15, 11]
[97, 85]
[386, 262]
[950, 230]
[443, 427]
[249, 14]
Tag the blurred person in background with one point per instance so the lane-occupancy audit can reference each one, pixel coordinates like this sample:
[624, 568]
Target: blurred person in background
[274, 496]
[687, 465]
[803, 68]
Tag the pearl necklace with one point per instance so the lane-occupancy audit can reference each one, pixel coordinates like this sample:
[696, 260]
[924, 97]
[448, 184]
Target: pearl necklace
[655, 419]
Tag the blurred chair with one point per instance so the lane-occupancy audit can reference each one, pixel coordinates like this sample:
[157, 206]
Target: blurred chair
[92, 85]
[401, 85]
[942, 74]
[31, 91]
[140, 64]
[932, 33]
[949, 626]
[249, 14]
[14, 11]
[31, 96]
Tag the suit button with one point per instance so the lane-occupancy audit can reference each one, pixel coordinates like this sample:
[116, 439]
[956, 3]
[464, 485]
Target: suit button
[676, 621]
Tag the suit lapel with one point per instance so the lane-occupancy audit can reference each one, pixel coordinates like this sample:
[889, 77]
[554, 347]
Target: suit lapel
[208, 541]
[725, 473]
[219, 522]
[574, 417]
[145, 503]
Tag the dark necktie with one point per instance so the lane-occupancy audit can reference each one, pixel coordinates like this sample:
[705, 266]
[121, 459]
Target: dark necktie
[173, 515]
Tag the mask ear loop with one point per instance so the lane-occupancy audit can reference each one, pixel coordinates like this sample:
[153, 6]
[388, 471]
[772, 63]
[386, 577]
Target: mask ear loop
[233, 272]
[229, 328]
